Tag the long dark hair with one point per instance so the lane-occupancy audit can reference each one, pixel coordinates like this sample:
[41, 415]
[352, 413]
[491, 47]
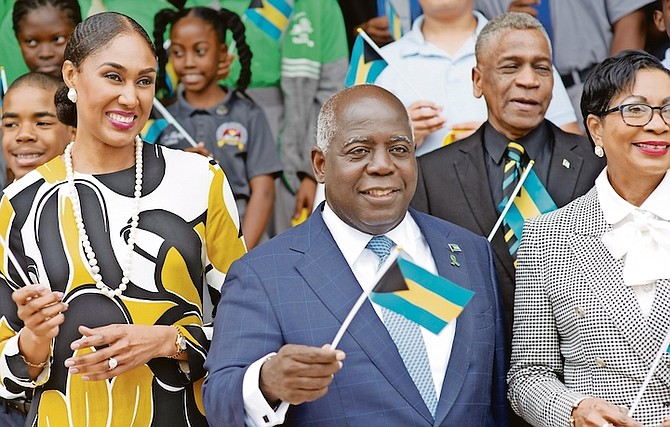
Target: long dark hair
[222, 21]
[88, 37]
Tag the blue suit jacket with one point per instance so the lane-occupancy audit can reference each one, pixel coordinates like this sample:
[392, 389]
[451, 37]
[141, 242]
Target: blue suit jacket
[298, 288]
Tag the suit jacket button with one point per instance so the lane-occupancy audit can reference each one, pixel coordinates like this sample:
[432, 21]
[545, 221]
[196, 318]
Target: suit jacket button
[600, 362]
[580, 312]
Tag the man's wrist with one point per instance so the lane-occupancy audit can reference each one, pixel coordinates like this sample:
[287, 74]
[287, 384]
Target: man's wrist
[270, 397]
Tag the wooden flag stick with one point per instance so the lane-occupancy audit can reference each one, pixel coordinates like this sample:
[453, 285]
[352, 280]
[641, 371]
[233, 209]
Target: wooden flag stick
[3, 79]
[657, 360]
[361, 299]
[524, 175]
[14, 262]
[170, 118]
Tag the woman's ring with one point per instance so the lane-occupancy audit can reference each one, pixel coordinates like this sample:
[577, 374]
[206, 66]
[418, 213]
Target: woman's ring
[606, 424]
[112, 363]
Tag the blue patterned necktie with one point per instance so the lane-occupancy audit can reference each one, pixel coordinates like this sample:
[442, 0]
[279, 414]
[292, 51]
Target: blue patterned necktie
[407, 336]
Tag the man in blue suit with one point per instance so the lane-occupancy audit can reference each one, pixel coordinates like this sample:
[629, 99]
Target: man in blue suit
[283, 302]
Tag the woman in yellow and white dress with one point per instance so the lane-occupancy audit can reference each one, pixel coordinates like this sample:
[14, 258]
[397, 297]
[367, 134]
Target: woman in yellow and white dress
[115, 236]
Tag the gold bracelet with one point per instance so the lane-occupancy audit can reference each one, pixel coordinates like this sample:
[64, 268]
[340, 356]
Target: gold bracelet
[180, 343]
[32, 365]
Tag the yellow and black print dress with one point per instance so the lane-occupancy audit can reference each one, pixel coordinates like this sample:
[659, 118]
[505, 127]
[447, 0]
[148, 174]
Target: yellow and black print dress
[188, 229]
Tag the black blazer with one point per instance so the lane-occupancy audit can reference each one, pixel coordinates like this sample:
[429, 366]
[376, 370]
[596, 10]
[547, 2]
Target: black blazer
[453, 185]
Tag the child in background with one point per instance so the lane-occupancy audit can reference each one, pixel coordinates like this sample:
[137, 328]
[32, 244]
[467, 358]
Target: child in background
[227, 122]
[42, 28]
[31, 136]
[31, 133]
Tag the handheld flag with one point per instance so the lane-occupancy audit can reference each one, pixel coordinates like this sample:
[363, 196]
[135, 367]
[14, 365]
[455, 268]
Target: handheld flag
[427, 299]
[152, 129]
[3, 85]
[421, 296]
[171, 120]
[395, 25]
[271, 16]
[366, 63]
[171, 80]
[510, 200]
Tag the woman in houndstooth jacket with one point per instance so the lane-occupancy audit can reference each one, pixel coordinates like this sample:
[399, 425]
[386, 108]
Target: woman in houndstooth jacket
[592, 304]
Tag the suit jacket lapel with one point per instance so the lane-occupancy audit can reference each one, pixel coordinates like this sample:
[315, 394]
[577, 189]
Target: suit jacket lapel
[472, 177]
[564, 169]
[471, 174]
[617, 299]
[325, 270]
[461, 350]
[659, 324]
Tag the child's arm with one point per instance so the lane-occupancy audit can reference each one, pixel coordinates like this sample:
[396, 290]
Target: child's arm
[259, 208]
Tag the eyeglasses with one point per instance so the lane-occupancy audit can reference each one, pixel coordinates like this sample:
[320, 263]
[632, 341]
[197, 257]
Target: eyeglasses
[639, 114]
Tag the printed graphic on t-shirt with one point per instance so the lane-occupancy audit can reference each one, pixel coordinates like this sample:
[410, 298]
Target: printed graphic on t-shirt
[232, 133]
[302, 29]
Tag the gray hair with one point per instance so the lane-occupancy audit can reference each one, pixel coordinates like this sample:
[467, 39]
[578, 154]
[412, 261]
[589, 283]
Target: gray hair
[326, 125]
[507, 21]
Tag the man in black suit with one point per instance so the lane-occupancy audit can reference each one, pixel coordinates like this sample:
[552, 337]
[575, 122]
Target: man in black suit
[463, 182]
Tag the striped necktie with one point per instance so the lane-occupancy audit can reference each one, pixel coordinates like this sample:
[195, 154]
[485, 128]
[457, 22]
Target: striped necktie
[531, 201]
[407, 336]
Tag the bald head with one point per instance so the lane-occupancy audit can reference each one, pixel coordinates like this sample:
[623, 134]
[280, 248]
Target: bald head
[366, 158]
[327, 124]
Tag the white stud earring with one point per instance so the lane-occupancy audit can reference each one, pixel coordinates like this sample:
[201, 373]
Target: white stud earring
[599, 151]
[72, 95]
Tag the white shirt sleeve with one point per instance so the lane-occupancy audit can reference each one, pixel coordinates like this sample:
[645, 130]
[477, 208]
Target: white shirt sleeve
[257, 411]
[560, 111]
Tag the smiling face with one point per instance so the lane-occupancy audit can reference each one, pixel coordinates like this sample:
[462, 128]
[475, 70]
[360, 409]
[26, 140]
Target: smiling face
[369, 169]
[195, 53]
[636, 155]
[115, 87]
[42, 37]
[31, 133]
[514, 74]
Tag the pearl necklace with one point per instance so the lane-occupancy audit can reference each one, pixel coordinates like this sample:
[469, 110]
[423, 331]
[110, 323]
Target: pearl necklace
[83, 236]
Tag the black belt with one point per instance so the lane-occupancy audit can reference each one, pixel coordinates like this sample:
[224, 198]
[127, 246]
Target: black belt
[21, 405]
[577, 76]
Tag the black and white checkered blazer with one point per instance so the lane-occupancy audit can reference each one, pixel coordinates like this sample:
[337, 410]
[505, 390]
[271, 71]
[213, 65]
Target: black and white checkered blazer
[578, 330]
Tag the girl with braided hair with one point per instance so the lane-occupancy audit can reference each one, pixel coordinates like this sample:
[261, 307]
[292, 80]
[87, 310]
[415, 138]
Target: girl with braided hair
[42, 28]
[226, 122]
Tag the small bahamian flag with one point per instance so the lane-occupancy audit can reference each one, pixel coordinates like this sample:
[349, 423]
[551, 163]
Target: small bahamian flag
[152, 129]
[395, 25]
[171, 80]
[365, 65]
[421, 296]
[271, 16]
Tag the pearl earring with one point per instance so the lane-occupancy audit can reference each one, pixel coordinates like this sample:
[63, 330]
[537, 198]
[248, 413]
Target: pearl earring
[599, 151]
[72, 95]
